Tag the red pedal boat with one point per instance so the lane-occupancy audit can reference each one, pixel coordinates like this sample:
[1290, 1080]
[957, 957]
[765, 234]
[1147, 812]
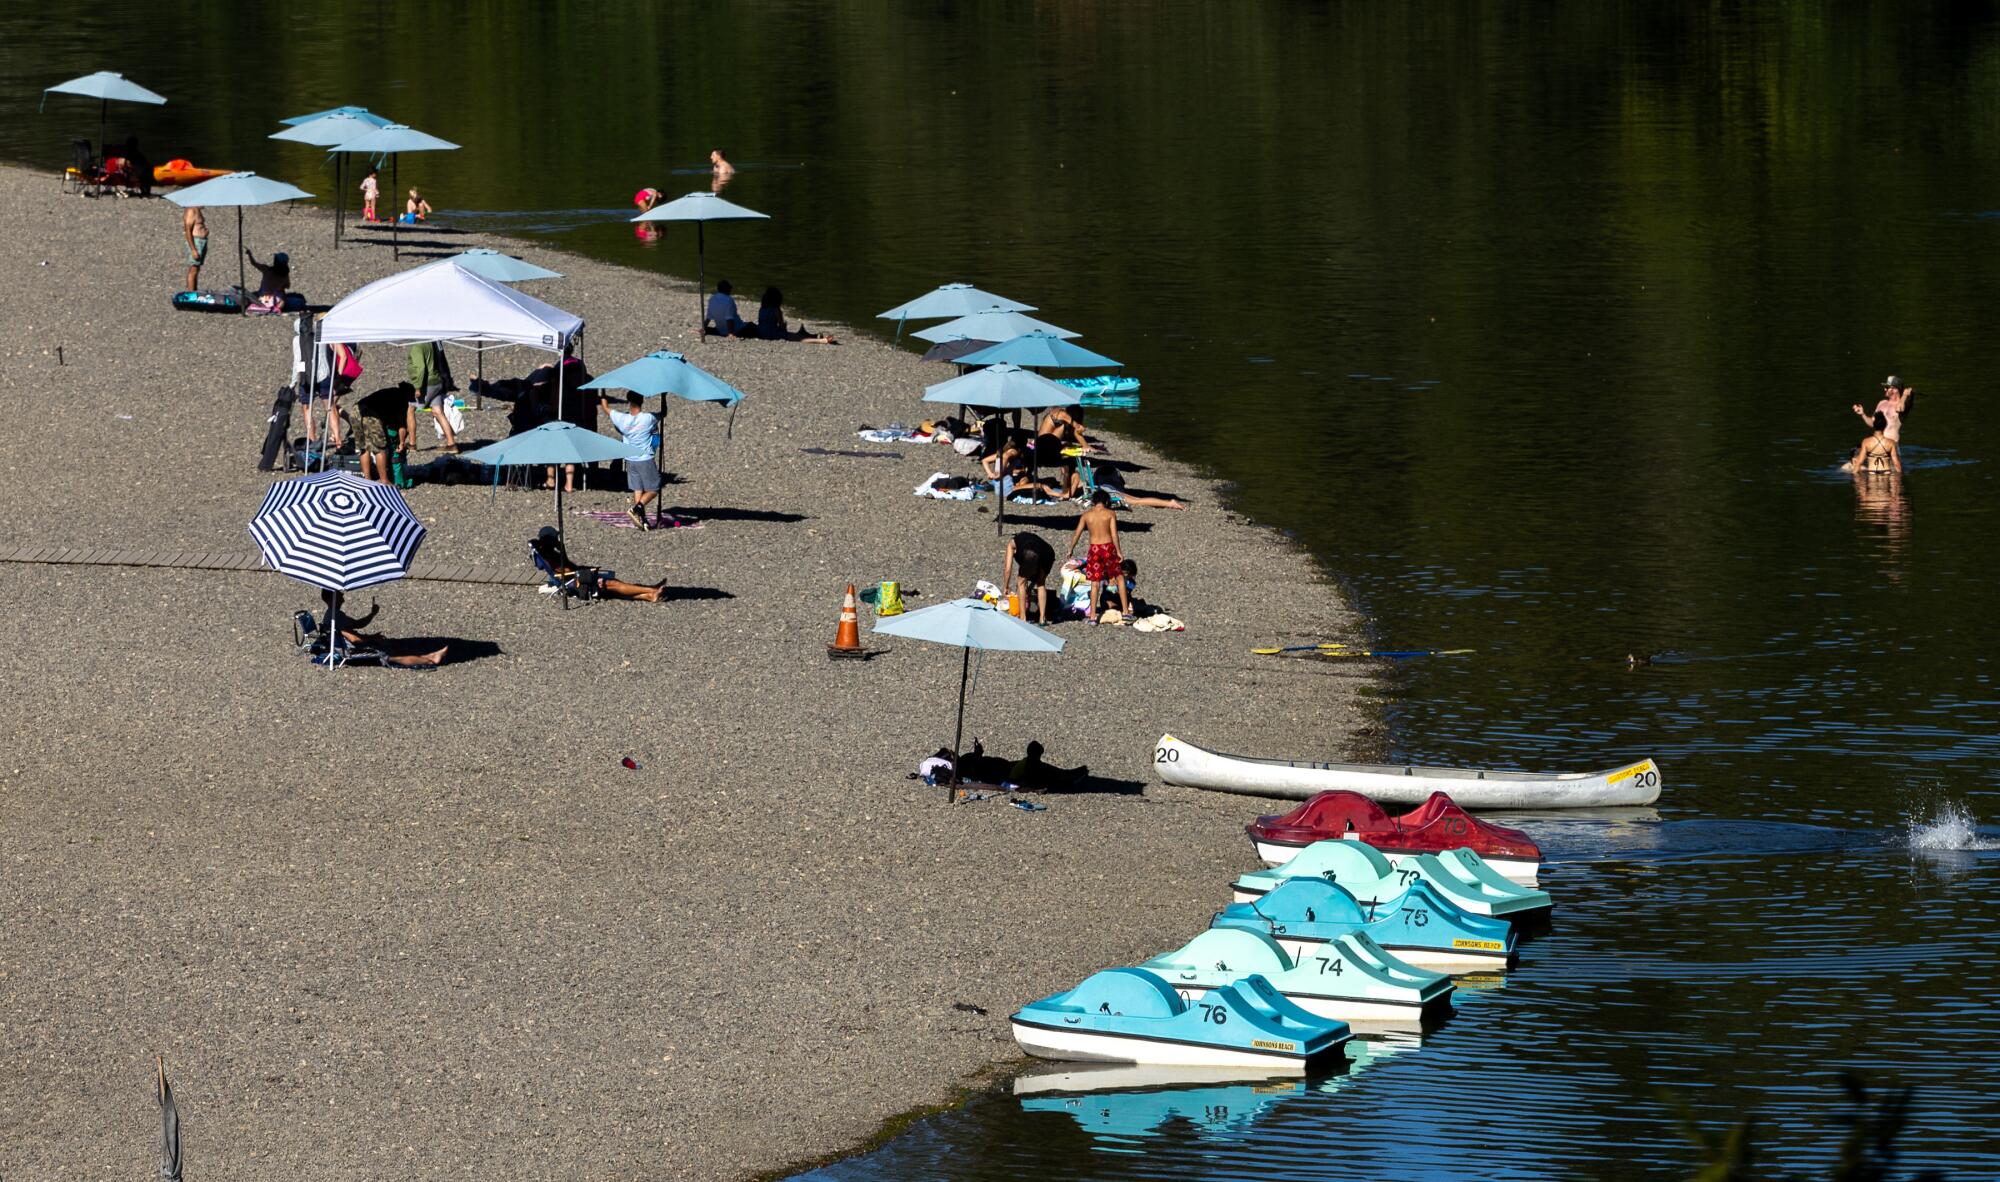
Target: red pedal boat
[1432, 827]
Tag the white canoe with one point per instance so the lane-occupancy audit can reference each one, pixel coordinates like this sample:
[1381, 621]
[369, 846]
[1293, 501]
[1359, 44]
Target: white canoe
[1177, 761]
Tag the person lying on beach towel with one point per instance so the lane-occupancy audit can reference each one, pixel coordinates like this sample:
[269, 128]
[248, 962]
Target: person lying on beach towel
[548, 548]
[943, 486]
[1028, 773]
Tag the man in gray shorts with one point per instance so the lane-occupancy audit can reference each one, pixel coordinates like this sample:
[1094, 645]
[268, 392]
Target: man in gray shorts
[642, 431]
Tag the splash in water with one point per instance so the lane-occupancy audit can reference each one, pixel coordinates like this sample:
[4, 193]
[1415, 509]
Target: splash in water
[1951, 826]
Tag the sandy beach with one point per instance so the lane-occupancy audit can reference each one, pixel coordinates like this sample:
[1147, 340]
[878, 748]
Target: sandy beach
[426, 924]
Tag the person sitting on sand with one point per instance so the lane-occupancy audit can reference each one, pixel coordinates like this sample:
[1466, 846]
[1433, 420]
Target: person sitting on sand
[548, 546]
[356, 647]
[1030, 559]
[723, 319]
[1066, 427]
[1101, 562]
[1029, 773]
[1894, 404]
[273, 282]
[416, 209]
[1878, 452]
[771, 322]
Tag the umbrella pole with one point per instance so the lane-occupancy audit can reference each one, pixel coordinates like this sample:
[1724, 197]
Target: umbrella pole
[958, 731]
[700, 280]
[660, 462]
[395, 223]
[559, 517]
[239, 252]
[103, 105]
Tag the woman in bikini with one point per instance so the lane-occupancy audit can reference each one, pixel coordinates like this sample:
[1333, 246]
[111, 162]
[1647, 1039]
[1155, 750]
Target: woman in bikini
[1878, 452]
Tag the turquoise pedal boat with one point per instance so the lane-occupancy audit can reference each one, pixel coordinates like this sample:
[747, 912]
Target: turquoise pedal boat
[1350, 978]
[1418, 926]
[1132, 1016]
[1461, 876]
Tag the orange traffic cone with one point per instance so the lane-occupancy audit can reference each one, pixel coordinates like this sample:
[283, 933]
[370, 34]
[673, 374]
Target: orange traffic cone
[847, 639]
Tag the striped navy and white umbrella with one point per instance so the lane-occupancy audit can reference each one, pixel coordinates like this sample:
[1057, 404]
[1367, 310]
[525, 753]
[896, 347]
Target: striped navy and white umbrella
[336, 531]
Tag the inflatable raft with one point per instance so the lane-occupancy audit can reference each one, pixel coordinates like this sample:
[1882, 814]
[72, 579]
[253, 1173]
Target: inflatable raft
[229, 300]
[181, 172]
[1180, 762]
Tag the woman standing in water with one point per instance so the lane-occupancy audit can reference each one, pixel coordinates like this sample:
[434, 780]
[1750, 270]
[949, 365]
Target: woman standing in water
[1878, 452]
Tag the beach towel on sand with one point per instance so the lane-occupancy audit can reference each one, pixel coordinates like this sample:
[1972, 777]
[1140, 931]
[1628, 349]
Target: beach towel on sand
[929, 488]
[891, 435]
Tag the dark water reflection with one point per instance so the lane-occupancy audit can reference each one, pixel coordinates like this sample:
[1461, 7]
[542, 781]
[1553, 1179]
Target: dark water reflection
[1538, 324]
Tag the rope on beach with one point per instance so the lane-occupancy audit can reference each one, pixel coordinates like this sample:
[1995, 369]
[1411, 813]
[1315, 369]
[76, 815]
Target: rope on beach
[175, 559]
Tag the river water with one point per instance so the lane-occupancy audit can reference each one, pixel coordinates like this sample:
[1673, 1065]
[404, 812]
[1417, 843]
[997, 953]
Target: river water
[1537, 323]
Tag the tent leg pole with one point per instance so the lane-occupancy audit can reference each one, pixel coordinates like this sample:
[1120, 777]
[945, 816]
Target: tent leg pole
[958, 731]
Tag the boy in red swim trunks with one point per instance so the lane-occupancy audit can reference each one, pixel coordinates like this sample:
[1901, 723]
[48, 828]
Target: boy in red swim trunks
[1101, 563]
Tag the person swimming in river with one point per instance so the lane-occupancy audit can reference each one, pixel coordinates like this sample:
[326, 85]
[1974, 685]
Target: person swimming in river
[721, 168]
[646, 199]
[1894, 405]
[1878, 452]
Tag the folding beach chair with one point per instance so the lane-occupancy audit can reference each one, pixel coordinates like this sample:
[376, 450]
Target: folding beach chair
[580, 583]
[312, 639]
[84, 174]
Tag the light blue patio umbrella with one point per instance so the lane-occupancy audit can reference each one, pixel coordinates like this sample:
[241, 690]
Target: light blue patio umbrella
[554, 445]
[358, 112]
[666, 373]
[326, 129]
[1003, 387]
[392, 140]
[1040, 350]
[238, 189]
[951, 300]
[989, 326]
[501, 268]
[103, 86]
[969, 624]
[700, 207]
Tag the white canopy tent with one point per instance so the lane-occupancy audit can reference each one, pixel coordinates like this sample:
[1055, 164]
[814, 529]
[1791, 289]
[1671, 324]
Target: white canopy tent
[445, 303]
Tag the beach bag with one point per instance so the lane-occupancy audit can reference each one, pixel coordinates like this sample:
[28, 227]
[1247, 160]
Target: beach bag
[350, 365]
